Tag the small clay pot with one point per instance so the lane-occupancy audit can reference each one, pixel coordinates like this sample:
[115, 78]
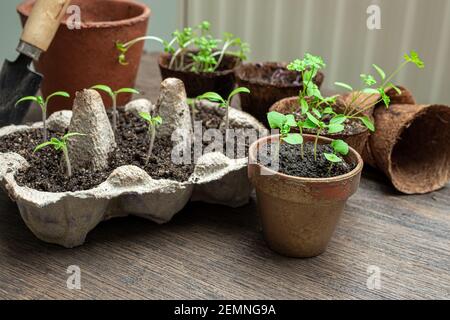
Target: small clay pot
[299, 215]
[357, 141]
[264, 92]
[80, 58]
[221, 81]
[411, 146]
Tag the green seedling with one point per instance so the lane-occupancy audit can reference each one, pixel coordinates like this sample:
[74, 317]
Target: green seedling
[198, 44]
[61, 145]
[153, 123]
[285, 123]
[43, 103]
[215, 97]
[113, 95]
[372, 88]
[340, 147]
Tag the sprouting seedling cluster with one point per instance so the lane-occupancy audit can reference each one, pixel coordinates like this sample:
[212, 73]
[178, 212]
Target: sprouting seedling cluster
[153, 124]
[205, 51]
[43, 103]
[215, 97]
[114, 95]
[285, 123]
[367, 97]
[61, 145]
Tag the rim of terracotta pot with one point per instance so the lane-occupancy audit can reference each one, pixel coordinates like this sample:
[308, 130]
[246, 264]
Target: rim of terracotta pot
[290, 100]
[307, 137]
[240, 74]
[24, 8]
[166, 55]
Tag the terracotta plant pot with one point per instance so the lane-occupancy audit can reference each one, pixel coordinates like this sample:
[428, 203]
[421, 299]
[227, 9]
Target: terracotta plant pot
[357, 141]
[299, 215]
[411, 146]
[81, 58]
[221, 81]
[256, 77]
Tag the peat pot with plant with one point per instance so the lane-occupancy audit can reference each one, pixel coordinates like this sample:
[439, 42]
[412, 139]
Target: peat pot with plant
[84, 53]
[269, 83]
[347, 117]
[194, 56]
[302, 183]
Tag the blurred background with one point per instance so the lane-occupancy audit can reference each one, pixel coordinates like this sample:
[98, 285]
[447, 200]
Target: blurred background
[282, 30]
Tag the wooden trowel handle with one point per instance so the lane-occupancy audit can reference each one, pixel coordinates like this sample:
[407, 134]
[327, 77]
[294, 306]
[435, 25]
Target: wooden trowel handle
[43, 22]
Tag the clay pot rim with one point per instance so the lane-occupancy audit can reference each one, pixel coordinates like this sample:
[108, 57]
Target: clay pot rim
[308, 137]
[339, 134]
[274, 64]
[146, 12]
[165, 55]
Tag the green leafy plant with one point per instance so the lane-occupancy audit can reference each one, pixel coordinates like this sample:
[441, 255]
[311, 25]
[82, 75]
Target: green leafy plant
[215, 97]
[340, 147]
[196, 43]
[61, 145]
[43, 103]
[153, 123]
[113, 95]
[285, 123]
[372, 89]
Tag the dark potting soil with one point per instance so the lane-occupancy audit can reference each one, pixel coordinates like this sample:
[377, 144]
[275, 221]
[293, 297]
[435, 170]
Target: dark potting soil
[291, 163]
[47, 171]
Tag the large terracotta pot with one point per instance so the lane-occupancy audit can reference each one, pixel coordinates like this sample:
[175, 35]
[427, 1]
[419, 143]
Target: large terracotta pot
[357, 141]
[264, 93]
[299, 215]
[81, 58]
[221, 81]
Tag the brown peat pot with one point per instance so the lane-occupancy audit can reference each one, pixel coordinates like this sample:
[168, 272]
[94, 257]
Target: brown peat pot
[299, 215]
[268, 82]
[81, 58]
[197, 83]
[357, 141]
[411, 146]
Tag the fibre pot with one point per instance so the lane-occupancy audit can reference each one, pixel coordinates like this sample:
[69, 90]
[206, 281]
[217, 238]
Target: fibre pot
[411, 146]
[81, 58]
[357, 140]
[299, 215]
[269, 82]
[221, 81]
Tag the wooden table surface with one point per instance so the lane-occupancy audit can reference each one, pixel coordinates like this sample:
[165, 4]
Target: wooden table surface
[215, 252]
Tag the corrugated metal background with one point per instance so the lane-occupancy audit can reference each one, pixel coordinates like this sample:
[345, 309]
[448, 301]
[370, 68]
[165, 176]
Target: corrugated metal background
[337, 30]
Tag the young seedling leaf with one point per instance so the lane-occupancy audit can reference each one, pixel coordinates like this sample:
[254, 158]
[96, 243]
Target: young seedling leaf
[380, 71]
[368, 79]
[368, 123]
[332, 157]
[370, 91]
[293, 138]
[276, 119]
[304, 106]
[290, 120]
[237, 91]
[308, 124]
[104, 88]
[211, 96]
[328, 110]
[414, 58]
[313, 119]
[335, 128]
[340, 118]
[127, 90]
[340, 147]
[146, 116]
[397, 89]
[317, 113]
[58, 94]
[343, 85]
[30, 98]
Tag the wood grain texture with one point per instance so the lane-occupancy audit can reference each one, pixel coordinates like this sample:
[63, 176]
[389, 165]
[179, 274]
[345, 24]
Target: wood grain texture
[214, 252]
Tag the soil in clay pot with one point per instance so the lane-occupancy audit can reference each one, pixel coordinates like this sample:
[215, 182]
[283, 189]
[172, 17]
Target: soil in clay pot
[291, 162]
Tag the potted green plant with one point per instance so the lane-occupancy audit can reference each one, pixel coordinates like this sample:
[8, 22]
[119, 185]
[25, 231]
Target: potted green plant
[301, 186]
[194, 56]
[269, 82]
[79, 57]
[350, 115]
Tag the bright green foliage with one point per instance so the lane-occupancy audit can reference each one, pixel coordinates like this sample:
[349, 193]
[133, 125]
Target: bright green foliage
[43, 103]
[353, 110]
[340, 148]
[205, 51]
[153, 123]
[284, 123]
[113, 95]
[61, 145]
[215, 97]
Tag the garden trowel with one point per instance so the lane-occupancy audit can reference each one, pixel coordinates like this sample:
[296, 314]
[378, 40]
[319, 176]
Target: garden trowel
[17, 79]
